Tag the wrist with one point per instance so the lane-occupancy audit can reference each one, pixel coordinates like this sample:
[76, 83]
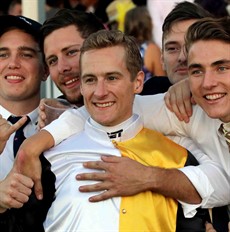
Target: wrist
[155, 179]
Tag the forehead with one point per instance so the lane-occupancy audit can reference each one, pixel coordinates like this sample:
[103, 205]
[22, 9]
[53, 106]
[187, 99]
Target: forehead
[62, 37]
[104, 59]
[17, 37]
[178, 30]
[208, 53]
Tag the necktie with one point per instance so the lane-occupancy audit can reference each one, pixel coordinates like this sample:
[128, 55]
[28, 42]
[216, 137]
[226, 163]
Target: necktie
[115, 134]
[225, 130]
[19, 135]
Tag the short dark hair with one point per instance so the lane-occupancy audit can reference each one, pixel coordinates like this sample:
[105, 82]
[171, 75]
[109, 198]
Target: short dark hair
[181, 12]
[105, 39]
[208, 29]
[86, 23]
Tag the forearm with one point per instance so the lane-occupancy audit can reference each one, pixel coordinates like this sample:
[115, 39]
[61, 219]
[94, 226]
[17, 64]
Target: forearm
[172, 183]
[37, 144]
[70, 122]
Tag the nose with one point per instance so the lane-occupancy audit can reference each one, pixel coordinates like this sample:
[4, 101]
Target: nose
[209, 80]
[182, 58]
[100, 89]
[14, 62]
[63, 65]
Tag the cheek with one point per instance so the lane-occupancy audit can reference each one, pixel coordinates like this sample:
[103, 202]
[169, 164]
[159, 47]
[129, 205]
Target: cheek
[74, 62]
[194, 85]
[53, 73]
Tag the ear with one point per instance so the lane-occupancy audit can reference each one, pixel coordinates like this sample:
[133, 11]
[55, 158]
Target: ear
[139, 82]
[162, 62]
[81, 90]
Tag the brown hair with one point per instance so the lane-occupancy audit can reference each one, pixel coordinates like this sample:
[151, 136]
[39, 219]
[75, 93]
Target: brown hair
[105, 39]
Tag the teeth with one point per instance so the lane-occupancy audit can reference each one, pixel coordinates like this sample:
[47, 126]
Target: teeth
[71, 81]
[14, 77]
[214, 96]
[104, 104]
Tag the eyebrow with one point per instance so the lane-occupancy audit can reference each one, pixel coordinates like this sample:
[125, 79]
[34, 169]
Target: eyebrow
[171, 43]
[22, 48]
[104, 74]
[216, 63]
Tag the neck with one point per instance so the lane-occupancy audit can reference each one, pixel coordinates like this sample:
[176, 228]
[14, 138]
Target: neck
[109, 129]
[20, 107]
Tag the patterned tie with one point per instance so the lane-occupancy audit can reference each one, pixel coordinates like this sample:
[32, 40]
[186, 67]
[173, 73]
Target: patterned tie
[19, 135]
[225, 130]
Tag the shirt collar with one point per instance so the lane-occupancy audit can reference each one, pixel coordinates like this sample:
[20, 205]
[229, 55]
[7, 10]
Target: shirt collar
[129, 128]
[33, 115]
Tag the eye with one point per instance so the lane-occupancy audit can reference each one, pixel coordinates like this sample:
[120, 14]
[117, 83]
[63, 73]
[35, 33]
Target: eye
[4, 54]
[195, 72]
[112, 78]
[223, 68]
[172, 49]
[73, 52]
[26, 55]
[89, 80]
[52, 61]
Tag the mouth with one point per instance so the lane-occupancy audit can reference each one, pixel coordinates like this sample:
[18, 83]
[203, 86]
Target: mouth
[14, 78]
[104, 105]
[216, 96]
[181, 70]
[71, 83]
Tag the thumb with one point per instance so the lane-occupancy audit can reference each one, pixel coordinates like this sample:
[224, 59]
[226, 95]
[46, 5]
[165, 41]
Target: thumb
[38, 189]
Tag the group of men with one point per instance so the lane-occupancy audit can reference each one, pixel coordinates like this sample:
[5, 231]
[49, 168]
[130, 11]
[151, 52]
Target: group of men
[108, 85]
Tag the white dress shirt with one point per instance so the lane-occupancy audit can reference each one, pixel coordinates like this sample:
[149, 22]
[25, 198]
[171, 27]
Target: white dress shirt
[211, 178]
[66, 161]
[7, 156]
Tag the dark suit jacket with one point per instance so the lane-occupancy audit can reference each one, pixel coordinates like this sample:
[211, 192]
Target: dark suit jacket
[156, 85]
[31, 216]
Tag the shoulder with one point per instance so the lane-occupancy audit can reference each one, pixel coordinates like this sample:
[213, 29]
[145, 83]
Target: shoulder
[155, 85]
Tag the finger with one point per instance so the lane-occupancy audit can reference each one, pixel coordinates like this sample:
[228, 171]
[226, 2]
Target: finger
[41, 119]
[21, 196]
[188, 107]
[183, 108]
[23, 181]
[92, 176]
[209, 227]
[2, 120]
[102, 186]
[41, 114]
[101, 197]
[98, 165]
[193, 101]
[17, 125]
[13, 203]
[111, 158]
[167, 101]
[175, 108]
[38, 189]
[181, 105]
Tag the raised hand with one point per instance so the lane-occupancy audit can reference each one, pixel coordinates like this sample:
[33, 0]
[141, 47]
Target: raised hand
[178, 100]
[42, 115]
[6, 129]
[115, 180]
[15, 190]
